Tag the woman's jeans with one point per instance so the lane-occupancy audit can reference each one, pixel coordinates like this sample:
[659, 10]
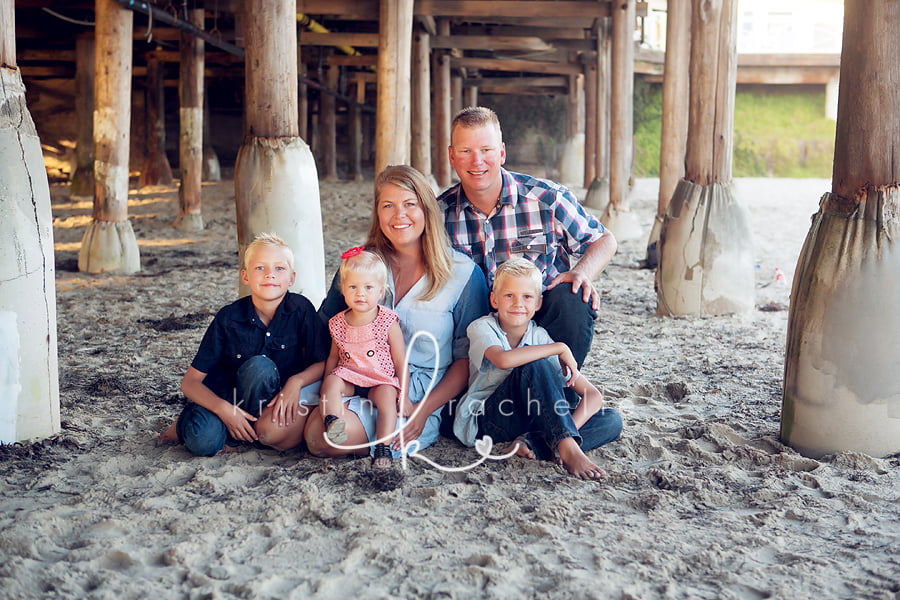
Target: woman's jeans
[531, 401]
[203, 433]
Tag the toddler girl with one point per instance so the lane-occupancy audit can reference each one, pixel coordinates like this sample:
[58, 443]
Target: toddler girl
[367, 352]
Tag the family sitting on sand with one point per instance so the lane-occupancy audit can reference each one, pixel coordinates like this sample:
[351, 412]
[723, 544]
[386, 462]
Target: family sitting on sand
[267, 372]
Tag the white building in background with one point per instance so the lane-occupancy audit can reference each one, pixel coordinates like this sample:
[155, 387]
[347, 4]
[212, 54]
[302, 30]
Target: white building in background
[790, 26]
[768, 26]
[785, 27]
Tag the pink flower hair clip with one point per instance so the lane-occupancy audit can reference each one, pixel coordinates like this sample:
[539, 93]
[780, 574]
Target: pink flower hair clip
[352, 252]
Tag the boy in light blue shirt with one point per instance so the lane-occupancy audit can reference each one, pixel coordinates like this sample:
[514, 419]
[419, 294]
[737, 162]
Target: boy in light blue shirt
[517, 378]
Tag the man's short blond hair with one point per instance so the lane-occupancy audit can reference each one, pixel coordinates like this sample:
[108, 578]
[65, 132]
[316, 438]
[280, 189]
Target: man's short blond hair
[271, 240]
[475, 116]
[519, 267]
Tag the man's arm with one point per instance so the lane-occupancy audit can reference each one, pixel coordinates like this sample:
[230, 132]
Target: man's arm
[591, 264]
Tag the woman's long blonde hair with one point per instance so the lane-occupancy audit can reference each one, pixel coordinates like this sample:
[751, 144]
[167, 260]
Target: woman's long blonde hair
[435, 242]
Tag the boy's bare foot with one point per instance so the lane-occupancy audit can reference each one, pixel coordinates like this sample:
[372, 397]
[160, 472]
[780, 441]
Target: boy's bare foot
[576, 462]
[523, 448]
[168, 437]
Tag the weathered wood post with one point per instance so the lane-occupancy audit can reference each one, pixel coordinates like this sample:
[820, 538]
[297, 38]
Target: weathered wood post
[706, 245]
[212, 171]
[156, 169]
[109, 245]
[328, 120]
[617, 216]
[842, 357]
[392, 129]
[676, 77]
[276, 186]
[29, 373]
[441, 106]
[571, 163]
[190, 140]
[597, 120]
[470, 95]
[421, 104]
[83, 176]
[591, 90]
[356, 129]
[456, 93]
[302, 95]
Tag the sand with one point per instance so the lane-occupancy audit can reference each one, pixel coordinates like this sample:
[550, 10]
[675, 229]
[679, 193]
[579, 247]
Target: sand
[701, 499]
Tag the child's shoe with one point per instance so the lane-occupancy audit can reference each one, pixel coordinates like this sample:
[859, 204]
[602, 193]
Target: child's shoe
[381, 457]
[335, 429]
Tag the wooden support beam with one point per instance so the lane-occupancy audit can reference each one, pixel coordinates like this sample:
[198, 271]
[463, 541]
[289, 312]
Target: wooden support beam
[428, 24]
[328, 120]
[109, 244]
[440, 134]
[559, 82]
[342, 60]
[516, 66]
[621, 143]
[83, 176]
[392, 136]
[486, 9]
[420, 150]
[675, 96]
[478, 42]
[591, 137]
[538, 29]
[361, 40]
[712, 81]
[522, 91]
[525, 85]
[190, 139]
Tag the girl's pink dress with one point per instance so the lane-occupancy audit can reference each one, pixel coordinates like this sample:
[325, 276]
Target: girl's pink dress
[364, 354]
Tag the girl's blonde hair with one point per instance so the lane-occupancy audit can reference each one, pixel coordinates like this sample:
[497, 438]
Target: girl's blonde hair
[365, 262]
[271, 240]
[435, 243]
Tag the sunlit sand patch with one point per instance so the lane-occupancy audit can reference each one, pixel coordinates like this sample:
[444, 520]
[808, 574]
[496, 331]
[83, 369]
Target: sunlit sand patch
[87, 281]
[154, 243]
[72, 223]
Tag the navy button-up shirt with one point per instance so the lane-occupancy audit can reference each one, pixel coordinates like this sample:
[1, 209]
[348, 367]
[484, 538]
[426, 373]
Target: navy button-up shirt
[295, 339]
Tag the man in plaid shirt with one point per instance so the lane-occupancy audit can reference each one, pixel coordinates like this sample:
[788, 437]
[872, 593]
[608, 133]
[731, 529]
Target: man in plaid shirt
[493, 214]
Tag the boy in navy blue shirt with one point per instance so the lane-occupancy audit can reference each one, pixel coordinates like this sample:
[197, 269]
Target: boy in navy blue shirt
[257, 355]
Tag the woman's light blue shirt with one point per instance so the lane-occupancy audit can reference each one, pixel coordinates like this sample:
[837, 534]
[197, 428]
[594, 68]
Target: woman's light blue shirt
[446, 316]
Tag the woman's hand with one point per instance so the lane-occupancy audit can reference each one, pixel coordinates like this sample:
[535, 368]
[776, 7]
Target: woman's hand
[404, 406]
[411, 430]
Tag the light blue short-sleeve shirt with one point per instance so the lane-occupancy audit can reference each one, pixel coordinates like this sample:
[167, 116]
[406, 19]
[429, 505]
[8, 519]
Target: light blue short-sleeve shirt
[484, 377]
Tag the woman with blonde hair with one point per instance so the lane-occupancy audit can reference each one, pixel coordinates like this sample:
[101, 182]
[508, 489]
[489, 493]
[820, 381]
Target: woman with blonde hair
[435, 291]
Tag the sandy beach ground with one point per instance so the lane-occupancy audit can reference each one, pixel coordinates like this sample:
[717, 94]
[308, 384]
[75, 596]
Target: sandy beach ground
[701, 498]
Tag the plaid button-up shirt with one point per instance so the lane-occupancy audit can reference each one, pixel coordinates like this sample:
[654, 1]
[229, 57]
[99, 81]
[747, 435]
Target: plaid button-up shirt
[537, 219]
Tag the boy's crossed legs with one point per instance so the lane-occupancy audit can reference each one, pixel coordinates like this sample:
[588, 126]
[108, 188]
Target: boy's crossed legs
[530, 407]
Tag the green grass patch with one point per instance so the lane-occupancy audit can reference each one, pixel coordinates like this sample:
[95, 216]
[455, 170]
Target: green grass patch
[777, 133]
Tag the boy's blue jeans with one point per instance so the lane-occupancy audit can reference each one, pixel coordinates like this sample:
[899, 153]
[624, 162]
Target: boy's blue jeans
[531, 402]
[203, 433]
